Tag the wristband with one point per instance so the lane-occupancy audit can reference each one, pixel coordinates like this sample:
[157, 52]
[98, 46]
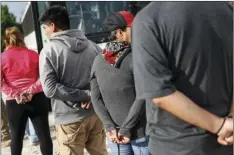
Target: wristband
[223, 123]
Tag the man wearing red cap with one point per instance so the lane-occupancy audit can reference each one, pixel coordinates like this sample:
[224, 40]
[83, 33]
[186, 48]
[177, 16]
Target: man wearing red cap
[113, 90]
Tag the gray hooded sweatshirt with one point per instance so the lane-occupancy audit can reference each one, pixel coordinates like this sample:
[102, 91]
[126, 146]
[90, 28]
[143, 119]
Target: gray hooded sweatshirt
[65, 67]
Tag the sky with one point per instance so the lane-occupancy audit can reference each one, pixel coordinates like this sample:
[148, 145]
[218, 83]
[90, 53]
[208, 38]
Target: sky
[17, 8]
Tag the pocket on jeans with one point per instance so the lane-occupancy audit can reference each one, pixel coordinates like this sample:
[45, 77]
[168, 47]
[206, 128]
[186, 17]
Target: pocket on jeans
[140, 141]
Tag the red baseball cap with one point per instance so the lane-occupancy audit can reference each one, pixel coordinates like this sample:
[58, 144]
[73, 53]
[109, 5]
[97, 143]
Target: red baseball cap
[117, 20]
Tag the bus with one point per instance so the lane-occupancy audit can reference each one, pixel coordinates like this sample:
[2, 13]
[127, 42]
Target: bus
[87, 16]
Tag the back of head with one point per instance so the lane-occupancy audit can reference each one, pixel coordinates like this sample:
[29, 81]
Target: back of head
[57, 15]
[14, 37]
[122, 21]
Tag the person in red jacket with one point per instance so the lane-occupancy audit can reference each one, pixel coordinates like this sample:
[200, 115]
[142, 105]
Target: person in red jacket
[25, 97]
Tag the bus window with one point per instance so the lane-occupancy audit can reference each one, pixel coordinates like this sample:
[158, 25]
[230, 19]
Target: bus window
[89, 16]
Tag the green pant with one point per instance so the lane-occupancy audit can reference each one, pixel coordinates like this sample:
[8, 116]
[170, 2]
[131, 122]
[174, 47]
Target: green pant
[5, 135]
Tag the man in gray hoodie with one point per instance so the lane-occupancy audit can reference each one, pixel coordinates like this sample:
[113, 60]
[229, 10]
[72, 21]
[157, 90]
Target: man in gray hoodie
[65, 66]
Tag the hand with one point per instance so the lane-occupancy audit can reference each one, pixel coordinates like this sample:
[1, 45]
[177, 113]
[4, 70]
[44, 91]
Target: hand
[123, 139]
[26, 97]
[20, 99]
[226, 133]
[86, 105]
[113, 136]
[23, 98]
[29, 97]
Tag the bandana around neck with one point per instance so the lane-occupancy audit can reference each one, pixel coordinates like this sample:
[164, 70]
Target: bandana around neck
[114, 52]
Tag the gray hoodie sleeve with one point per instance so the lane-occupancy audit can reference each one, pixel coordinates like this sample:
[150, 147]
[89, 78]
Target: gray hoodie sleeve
[134, 114]
[99, 106]
[133, 118]
[52, 88]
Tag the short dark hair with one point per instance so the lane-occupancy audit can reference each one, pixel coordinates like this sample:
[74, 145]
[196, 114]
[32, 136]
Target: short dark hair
[58, 15]
[112, 35]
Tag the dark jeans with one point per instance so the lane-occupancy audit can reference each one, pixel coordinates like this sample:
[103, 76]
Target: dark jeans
[37, 111]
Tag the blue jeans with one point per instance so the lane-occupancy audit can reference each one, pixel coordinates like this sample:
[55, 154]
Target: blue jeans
[32, 136]
[134, 147]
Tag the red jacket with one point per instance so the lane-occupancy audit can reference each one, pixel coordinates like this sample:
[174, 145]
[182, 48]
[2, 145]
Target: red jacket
[19, 72]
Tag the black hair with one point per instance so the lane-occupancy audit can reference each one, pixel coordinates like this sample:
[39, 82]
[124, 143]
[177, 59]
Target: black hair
[58, 15]
[112, 35]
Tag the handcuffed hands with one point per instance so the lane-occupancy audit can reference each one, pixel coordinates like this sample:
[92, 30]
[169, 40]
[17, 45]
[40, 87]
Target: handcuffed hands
[123, 139]
[113, 136]
[116, 137]
[23, 98]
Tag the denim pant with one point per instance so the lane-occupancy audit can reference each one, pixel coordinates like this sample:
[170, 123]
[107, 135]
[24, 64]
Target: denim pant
[134, 147]
[32, 136]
